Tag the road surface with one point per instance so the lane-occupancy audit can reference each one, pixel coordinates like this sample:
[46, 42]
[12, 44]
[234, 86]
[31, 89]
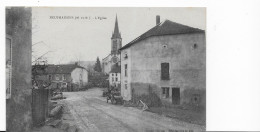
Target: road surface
[91, 113]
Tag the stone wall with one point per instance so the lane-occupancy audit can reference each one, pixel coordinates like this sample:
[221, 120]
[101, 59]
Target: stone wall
[18, 107]
[186, 55]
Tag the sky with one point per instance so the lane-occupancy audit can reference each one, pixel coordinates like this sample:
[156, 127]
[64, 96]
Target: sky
[66, 40]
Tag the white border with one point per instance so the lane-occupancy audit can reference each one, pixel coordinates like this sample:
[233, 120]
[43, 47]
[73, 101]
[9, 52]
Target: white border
[233, 56]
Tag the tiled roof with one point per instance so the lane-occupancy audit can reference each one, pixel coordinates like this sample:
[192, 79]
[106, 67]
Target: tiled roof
[57, 69]
[166, 27]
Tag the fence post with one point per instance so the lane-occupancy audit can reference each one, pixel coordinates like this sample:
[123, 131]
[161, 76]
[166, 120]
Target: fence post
[39, 106]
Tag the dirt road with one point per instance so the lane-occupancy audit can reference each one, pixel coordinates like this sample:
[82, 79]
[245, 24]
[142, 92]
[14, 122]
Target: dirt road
[91, 113]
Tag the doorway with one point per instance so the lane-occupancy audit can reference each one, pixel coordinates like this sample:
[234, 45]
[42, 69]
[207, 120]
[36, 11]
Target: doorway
[176, 96]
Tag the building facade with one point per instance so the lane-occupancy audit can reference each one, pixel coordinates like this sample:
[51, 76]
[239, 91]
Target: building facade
[115, 76]
[170, 58]
[70, 76]
[113, 59]
[18, 69]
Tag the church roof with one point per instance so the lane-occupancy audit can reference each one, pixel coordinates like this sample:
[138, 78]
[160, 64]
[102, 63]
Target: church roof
[116, 33]
[166, 27]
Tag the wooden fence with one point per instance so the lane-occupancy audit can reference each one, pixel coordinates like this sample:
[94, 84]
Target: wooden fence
[40, 109]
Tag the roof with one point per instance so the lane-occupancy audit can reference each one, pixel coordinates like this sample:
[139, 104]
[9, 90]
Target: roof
[166, 27]
[106, 56]
[116, 33]
[115, 68]
[57, 69]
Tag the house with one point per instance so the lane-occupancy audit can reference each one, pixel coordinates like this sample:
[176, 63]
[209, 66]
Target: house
[170, 58]
[114, 75]
[18, 69]
[68, 76]
[113, 59]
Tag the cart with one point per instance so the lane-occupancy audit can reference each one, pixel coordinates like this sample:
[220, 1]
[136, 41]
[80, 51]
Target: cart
[114, 97]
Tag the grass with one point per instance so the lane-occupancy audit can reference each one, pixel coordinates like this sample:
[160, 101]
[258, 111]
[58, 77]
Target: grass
[191, 114]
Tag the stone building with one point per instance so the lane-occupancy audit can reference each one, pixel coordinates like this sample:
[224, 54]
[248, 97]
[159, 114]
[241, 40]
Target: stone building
[170, 58]
[18, 69]
[113, 59]
[65, 76]
[115, 75]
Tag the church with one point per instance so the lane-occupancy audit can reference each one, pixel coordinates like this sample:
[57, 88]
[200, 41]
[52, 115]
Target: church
[111, 63]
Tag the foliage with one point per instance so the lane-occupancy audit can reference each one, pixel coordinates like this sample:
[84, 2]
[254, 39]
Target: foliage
[37, 82]
[98, 80]
[98, 66]
[151, 99]
[88, 86]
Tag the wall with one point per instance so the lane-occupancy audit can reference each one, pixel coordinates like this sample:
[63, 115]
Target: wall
[67, 77]
[107, 63]
[18, 107]
[112, 79]
[126, 80]
[187, 66]
[75, 75]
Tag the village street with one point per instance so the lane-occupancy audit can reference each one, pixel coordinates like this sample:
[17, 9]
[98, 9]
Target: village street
[91, 112]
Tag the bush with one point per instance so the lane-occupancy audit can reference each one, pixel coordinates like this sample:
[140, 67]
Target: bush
[89, 85]
[151, 99]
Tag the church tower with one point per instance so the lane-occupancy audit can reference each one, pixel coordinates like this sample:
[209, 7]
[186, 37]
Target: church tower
[116, 40]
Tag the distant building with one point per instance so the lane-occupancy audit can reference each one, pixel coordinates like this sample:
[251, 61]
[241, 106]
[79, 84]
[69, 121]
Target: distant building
[114, 75]
[170, 58]
[64, 76]
[113, 59]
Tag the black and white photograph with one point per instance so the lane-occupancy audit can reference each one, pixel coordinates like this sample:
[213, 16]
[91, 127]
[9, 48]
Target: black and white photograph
[182, 66]
[94, 69]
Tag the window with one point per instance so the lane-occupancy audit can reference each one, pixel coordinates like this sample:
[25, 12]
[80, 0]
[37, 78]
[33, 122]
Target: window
[126, 86]
[126, 70]
[114, 45]
[116, 74]
[116, 78]
[165, 92]
[63, 77]
[195, 46]
[112, 74]
[126, 56]
[165, 75]
[57, 77]
[8, 66]
[49, 77]
[64, 84]
[112, 79]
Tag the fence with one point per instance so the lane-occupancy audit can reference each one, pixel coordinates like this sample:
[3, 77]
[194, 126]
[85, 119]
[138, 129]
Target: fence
[40, 109]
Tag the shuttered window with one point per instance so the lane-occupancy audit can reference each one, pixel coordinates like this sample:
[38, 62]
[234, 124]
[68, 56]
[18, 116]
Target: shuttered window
[165, 92]
[126, 70]
[165, 75]
[8, 67]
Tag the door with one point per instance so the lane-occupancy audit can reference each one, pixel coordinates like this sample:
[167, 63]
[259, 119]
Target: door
[176, 96]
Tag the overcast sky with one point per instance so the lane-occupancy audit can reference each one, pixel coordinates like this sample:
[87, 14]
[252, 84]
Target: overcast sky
[86, 39]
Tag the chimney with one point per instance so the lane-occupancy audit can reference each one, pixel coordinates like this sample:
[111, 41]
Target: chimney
[157, 19]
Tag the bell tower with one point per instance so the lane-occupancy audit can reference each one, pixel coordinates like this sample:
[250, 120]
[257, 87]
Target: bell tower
[116, 40]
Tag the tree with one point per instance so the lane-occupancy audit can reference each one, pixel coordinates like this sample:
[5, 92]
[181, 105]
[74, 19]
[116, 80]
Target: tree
[98, 66]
